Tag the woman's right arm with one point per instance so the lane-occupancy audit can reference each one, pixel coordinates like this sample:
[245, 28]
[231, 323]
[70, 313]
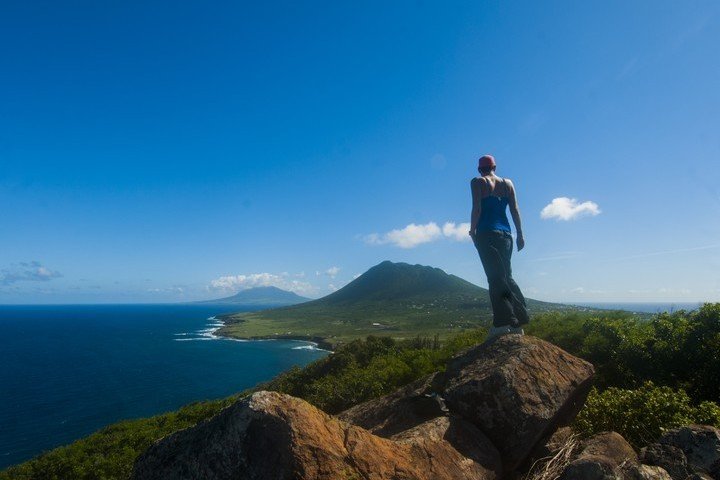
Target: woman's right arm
[476, 206]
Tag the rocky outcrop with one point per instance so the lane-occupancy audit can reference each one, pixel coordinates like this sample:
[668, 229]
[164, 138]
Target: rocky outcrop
[276, 436]
[505, 398]
[517, 390]
[686, 451]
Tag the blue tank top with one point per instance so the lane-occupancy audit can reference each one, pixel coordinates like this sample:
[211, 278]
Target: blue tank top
[492, 214]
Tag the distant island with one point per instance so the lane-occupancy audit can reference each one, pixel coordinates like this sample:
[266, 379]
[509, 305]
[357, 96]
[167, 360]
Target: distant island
[392, 299]
[261, 296]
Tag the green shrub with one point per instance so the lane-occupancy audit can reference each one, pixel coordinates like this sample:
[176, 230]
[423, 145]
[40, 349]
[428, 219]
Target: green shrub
[642, 415]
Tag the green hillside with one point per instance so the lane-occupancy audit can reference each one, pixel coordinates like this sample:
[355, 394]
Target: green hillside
[394, 299]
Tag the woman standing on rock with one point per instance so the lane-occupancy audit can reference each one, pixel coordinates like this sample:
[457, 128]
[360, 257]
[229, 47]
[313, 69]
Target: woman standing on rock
[490, 231]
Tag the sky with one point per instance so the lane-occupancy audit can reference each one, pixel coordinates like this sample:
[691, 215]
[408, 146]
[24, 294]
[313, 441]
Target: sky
[161, 152]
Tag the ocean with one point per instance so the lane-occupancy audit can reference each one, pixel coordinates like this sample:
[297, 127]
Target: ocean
[657, 307]
[69, 370]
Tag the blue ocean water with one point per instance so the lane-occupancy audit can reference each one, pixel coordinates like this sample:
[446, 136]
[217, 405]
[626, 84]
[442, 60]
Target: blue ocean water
[67, 371]
[657, 307]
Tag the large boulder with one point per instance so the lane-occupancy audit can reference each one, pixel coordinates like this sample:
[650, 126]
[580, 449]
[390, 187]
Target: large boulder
[517, 390]
[272, 436]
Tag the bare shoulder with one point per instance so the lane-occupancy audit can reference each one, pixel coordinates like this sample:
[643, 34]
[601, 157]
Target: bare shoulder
[510, 184]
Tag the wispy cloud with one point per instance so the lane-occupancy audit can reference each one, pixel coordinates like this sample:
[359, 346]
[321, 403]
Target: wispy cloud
[330, 272]
[556, 256]
[178, 289]
[413, 235]
[667, 252]
[566, 209]
[235, 283]
[32, 271]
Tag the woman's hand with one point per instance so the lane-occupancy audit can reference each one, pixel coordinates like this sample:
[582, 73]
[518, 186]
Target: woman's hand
[520, 243]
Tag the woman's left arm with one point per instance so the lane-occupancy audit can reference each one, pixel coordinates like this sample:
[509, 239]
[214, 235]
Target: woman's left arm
[515, 212]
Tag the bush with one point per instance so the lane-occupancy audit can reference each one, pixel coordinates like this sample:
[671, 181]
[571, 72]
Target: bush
[642, 415]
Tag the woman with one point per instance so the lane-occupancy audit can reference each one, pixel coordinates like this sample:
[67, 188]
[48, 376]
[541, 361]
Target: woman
[490, 231]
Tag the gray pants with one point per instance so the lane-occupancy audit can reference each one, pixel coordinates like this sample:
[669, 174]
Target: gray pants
[508, 303]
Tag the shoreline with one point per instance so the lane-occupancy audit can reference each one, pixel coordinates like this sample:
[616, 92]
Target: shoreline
[319, 342]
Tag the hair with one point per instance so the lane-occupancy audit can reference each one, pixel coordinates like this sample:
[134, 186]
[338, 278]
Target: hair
[486, 170]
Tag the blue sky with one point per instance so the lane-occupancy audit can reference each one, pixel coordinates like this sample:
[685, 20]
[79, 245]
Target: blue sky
[155, 152]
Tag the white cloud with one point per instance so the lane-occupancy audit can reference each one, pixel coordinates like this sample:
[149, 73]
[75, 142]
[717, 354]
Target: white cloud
[235, 283]
[564, 208]
[408, 237]
[458, 232]
[413, 235]
[32, 271]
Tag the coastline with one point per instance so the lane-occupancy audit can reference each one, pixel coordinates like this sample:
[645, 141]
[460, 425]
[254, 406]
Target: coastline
[320, 343]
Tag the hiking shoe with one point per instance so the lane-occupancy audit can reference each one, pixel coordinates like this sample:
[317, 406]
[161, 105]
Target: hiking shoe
[504, 330]
[497, 331]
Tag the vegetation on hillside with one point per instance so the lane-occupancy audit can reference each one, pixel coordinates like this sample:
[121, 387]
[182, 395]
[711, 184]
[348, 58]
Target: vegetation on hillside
[678, 352]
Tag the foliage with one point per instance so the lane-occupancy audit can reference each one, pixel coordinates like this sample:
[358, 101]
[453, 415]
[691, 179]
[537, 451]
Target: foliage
[679, 349]
[642, 415]
[110, 452]
[365, 369]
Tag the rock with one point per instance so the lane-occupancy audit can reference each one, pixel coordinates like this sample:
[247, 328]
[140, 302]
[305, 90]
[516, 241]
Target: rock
[612, 446]
[276, 436]
[670, 458]
[589, 468]
[645, 472]
[701, 446]
[453, 434]
[700, 476]
[603, 457]
[517, 390]
[403, 409]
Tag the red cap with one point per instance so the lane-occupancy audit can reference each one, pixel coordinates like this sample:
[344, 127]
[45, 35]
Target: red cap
[486, 161]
